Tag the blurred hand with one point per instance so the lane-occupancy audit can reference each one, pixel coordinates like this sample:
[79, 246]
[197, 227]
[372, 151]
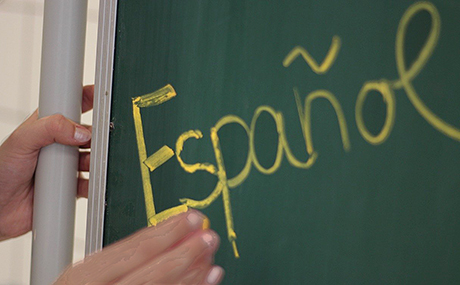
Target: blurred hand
[179, 250]
[18, 159]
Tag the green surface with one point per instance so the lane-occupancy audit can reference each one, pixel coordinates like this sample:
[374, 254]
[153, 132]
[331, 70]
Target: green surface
[377, 214]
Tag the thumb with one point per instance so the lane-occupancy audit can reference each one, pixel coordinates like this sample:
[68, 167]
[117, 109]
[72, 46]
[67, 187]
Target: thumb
[48, 130]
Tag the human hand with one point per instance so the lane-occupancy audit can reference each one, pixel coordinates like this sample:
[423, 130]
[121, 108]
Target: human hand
[18, 159]
[179, 250]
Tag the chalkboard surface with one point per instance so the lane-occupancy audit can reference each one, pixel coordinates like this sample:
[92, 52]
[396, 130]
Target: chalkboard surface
[322, 138]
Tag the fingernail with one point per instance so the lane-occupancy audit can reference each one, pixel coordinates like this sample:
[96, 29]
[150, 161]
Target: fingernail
[214, 275]
[81, 134]
[209, 239]
[196, 220]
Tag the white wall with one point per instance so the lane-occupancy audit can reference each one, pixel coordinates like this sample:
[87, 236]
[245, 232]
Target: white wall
[20, 50]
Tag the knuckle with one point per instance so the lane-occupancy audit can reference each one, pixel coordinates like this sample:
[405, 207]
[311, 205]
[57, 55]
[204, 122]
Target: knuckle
[56, 124]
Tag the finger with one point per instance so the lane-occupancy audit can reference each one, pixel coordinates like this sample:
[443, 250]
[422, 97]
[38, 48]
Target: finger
[89, 127]
[195, 275]
[198, 270]
[122, 257]
[82, 188]
[186, 257]
[83, 161]
[166, 268]
[205, 274]
[87, 99]
[214, 276]
[88, 144]
[45, 131]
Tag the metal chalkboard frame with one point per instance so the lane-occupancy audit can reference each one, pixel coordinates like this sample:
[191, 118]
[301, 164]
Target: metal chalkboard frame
[101, 125]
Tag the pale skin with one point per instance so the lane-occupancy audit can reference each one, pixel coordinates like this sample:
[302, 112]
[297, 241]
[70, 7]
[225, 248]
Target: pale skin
[179, 250]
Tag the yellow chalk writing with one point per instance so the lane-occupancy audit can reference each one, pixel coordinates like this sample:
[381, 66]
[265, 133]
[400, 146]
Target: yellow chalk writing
[158, 158]
[222, 188]
[223, 184]
[306, 114]
[389, 98]
[148, 196]
[164, 215]
[155, 98]
[325, 65]
[252, 151]
[192, 167]
[406, 76]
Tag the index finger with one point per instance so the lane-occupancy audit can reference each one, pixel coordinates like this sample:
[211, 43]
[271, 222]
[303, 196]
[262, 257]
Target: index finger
[122, 257]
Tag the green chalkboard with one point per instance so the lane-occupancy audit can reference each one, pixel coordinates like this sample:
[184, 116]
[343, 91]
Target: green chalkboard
[322, 138]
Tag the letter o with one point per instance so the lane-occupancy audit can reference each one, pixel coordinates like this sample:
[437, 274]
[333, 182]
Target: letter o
[389, 98]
